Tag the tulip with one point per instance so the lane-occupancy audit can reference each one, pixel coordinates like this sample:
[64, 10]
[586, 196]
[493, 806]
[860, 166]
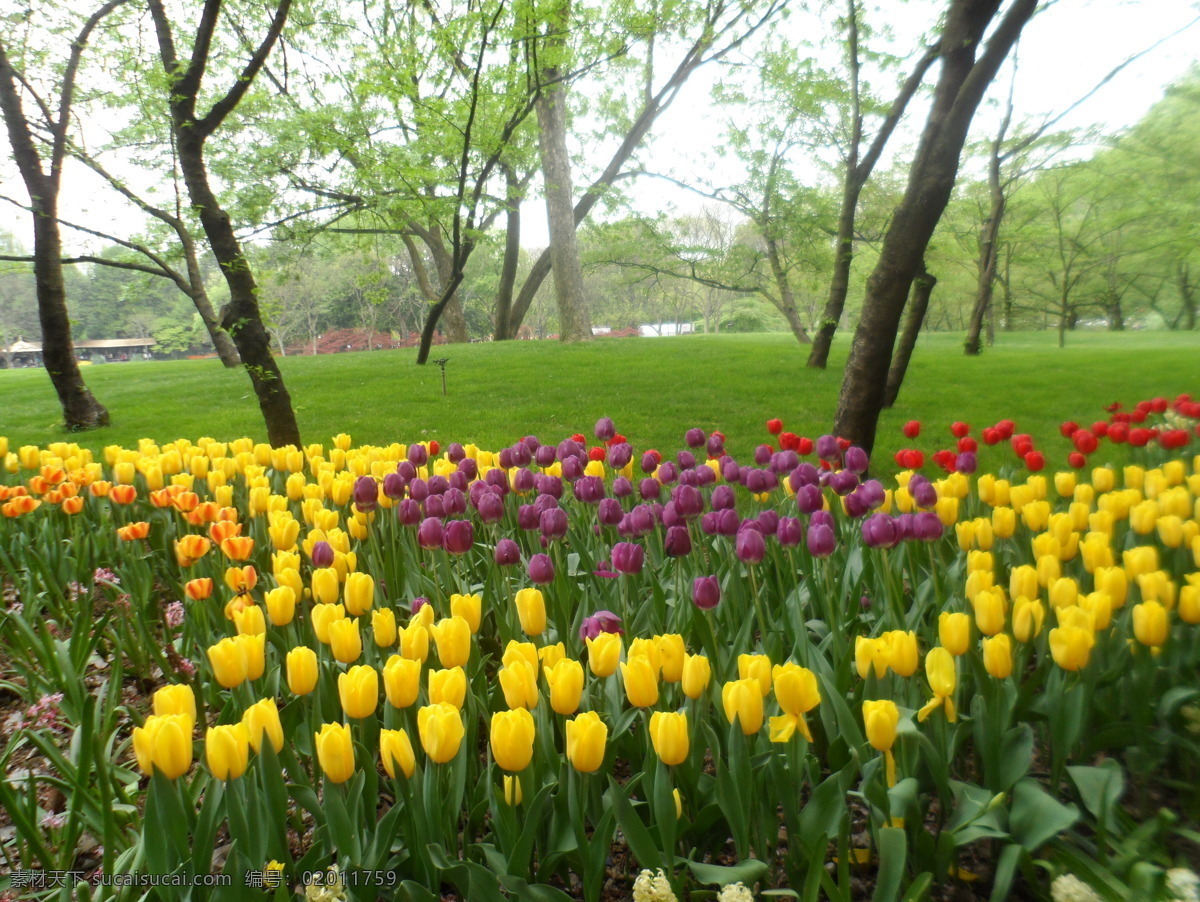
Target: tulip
[902, 653]
[448, 687]
[880, 719]
[383, 627]
[706, 592]
[176, 699]
[335, 752]
[414, 640]
[671, 654]
[262, 718]
[440, 727]
[453, 637]
[1150, 623]
[401, 681]
[281, 605]
[941, 673]
[469, 608]
[541, 569]
[345, 640]
[669, 736]
[516, 651]
[750, 547]
[756, 668]
[997, 656]
[641, 681]
[1189, 602]
[301, 670]
[518, 681]
[227, 750]
[396, 751]
[871, 654]
[199, 589]
[359, 593]
[531, 610]
[604, 654]
[743, 701]
[164, 743]
[989, 611]
[696, 675]
[821, 540]
[325, 585]
[323, 617]
[512, 735]
[229, 664]
[565, 680]
[1071, 646]
[797, 693]
[550, 655]
[954, 632]
[587, 738]
[358, 691]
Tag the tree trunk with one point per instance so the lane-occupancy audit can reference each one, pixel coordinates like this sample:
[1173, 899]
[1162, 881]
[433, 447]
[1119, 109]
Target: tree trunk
[918, 303]
[240, 317]
[839, 283]
[787, 301]
[1187, 296]
[226, 350]
[988, 235]
[512, 254]
[574, 321]
[961, 85]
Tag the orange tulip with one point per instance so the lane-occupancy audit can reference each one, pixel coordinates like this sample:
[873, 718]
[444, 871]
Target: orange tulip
[133, 531]
[237, 548]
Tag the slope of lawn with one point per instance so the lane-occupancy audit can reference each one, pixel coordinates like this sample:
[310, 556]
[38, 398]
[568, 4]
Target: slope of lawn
[654, 389]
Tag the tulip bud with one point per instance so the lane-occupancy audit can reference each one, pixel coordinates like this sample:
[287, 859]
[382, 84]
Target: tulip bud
[301, 670]
[518, 680]
[401, 681]
[565, 680]
[176, 699]
[587, 737]
[1150, 625]
[453, 638]
[512, 735]
[345, 640]
[448, 687]
[1071, 646]
[227, 750]
[383, 627]
[164, 743]
[262, 718]
[997, 656]
[641, 681]
[441, 730]
[743, 701]
[335, 752]
[954, 632]
[706, 592]
[229, 663]
[880, 719]
[396, 752]
[531, 610]
[696, 676]
[604, 654]
[358, 691]
[669, 736]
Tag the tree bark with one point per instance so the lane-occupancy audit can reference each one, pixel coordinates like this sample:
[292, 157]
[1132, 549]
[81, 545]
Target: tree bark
[988, 235]
[226, 349]
[574, 321]
[512, 253]
[961, 85]
[918, 304]
[241, 317]
[787, 301]
[81, 410]
[1187, 296]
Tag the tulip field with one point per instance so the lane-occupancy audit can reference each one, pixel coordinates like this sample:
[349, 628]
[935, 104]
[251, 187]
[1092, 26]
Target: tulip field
[572, 668]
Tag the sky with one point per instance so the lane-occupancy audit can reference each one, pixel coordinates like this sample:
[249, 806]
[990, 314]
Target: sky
[1065, 51]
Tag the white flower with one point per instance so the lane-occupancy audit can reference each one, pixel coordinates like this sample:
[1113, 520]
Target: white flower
[649, 887]
[1183, 885]
[735, 892]
[1069, 888]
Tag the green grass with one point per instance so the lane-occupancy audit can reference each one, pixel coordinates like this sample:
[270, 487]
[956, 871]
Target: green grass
[654, 389]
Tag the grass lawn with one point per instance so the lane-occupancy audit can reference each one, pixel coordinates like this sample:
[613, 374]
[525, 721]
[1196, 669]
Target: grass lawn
[654, 389]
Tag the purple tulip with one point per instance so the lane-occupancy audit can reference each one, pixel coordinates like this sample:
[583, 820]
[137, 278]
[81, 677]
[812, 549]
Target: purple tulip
[730, 471]
[366, 493]
[628, 557]
[966, 463]
[522, 455]
[589, 489]
[572, 469]
[689, 503]
[706, 592]
[686, 460]
[408, 512]
[880, 531]
[809, 499]
[418, 603]
[531, 442]
[619, 455]
[553, 523]
[927, 527]
[874, 492]
[821, 540]
[528, 517]
[708, 523]
[728, 523]
[722, 498]
[649, 463]
[418, 489]
[605, 429]
[667, 472]
[505, 459]
[750, 546]
[457, 480]
[821, 518]
[678, 542]
[455, 452]
[568, 448]
[784, 461]
[843, 482]
[544, 455]
[805, 474]
[621, 488]
[541, 569]
[548, 485]
[649, 488]
[435, 507]
[544, 503]
[469, 467]
[430, 533]
[762, 455]
[394, 485]
[322, 554]
[694, 437]
[857, 460]
[523, 480]
[827, 448]
[609, 512]
[455, 501]
[670, 516]
[600, 622]
[704, 475]
[406, 469]
[507, 552]
[715, 446]
[923, 492]
[768, 521]
[418, 455]
[497, 479]
[858, 502]
[755, 481]
[459, 536]
[641, 520]
[789, 532]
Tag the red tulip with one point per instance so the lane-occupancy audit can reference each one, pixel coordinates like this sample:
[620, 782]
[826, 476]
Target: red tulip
[959, 429]
[966, 443]
[1035, 461]
[1068, 428]
[1076, 460]
[805, 447]
[774, 426]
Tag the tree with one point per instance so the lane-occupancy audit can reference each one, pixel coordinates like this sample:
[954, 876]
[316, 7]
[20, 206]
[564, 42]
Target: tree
[43, 180]
[241, 317]
[968, 67]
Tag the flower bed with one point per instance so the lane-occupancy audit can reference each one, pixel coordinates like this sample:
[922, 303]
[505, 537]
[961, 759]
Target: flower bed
[560, 671]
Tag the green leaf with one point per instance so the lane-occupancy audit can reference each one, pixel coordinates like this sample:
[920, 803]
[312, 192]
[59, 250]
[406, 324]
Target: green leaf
[1037, 817]
[1100, 788]
[641, 843]
[748, 871]
[893, 854]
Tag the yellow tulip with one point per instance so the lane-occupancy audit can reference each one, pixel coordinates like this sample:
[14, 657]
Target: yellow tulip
[1071, 646]
[641, 681]
[323, 616]
[519, 684]
[512, 735]
[1022, 580]
[396, 752]
[1096, 549]
[283, 532]
[358, 691]
[335, 751]
[359, 593]
[1189, 603]
[1103, 479]
[1157, 586]
[164, 743]
[565, 680]
[453, 637]
[669, 736]
[448, 687]
[301, 670]
[1114, 582]
[383, 627]
[1142, 517]
[795, 688]
[228, 661]
[1064, 483]
[696, 675]
[1099, 605]
[262, 718]
[604, 654]
[1150, 625]
[1064, 592]
[550, 655]
[671, 653]
[441, 729]
[880, 719]
[345, 640]
[293, 580]
[757, 668]
[997, 656]
[401, 681]
[965, 533]
[414, 641]
[227, 750]
[177, 698]
[902, 655]
[1004, 522]
[1139, 560]
[743, 701]
[1170, 531]
[954, 632]
[989, 611]
[941, 672]
[325, 585]
[281, 605]
[531, 610]
[520, 651]
[469, 608]
[871, 654]
[587, 739]
[645, 648]
[984, 534]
